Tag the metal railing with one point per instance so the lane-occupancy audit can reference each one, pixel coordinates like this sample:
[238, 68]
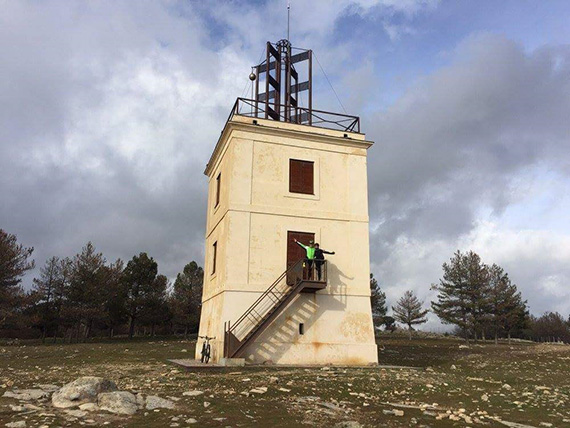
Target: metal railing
[300, 115]
[300, 272]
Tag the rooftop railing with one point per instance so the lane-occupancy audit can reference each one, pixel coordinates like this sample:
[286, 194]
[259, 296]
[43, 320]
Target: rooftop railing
[299, 115]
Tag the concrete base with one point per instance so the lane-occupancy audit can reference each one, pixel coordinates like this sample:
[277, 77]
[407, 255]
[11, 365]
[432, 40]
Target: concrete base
[232, 362]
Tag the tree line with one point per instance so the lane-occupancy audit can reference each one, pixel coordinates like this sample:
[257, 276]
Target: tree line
[77, 297]
[479, 300]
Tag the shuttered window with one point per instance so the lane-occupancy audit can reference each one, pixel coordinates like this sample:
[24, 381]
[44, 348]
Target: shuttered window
[218, 184]
[301, 176]
[214, 256]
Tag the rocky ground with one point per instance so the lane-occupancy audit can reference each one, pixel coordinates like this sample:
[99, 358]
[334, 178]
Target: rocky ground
[516, 385]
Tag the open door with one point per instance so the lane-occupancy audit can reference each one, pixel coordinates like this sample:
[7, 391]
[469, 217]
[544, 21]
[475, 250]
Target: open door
[296, 252]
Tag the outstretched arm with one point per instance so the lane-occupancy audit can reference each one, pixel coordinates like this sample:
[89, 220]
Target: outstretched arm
[328, 252]
[301, 245]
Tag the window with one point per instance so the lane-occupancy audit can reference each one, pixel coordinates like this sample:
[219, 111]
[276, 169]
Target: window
[218, 181]
[301, 177]
[214, 256]
[301, 328]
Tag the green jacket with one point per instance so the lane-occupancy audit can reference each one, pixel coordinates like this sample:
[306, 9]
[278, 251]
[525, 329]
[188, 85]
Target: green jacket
[310, 251]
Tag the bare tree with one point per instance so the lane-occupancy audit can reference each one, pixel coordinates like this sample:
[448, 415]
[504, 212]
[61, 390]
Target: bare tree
[409, 311]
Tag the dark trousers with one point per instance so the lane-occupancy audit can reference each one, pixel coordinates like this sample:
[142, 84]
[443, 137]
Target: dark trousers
[309, 269]
[318, 266]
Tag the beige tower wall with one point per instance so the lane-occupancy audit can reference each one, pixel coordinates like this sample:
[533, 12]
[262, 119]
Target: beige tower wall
[250, 226]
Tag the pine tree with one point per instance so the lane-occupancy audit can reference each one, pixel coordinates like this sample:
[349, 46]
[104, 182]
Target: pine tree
[115, 299]
[137, 282]
[60, 296]
[86, 294]
[508, 311]
[156, 310]
[463, 293]
[44, 291]
[378, 303]
[14, 264]
[186, 298]
[408, 311]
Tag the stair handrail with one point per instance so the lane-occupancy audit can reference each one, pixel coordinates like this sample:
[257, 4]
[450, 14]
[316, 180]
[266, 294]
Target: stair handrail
[265, 293]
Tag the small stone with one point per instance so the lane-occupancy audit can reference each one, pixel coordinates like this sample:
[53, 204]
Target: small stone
[206, 404]
[453, 367]
[259, 390]
[507, 387]
[76, 413]
[19, 424]
[89, 407]
[48, 387]
[485, 397]
[348, 424]
[194, 393]
[284, 390]
[191, 421]
[398, 412]
[154, 402]
[26, 394]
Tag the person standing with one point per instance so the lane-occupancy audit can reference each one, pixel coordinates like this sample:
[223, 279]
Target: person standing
[310, 256]
[320, 259]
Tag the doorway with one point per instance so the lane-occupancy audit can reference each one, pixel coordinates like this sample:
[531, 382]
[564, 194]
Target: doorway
[296, 252]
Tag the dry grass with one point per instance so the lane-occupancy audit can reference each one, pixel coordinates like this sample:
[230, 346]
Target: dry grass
[454, 378]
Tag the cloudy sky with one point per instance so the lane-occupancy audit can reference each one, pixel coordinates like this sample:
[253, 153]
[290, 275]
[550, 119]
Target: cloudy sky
[110, 109]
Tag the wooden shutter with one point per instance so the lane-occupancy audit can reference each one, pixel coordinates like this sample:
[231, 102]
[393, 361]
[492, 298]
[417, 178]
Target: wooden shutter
[214, 257]
[218, 183]
[301, 177]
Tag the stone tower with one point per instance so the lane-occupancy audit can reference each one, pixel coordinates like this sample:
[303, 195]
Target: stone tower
[279, 173]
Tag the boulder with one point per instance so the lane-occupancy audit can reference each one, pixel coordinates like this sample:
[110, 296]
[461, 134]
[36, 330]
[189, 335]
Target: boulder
[82, 390]
[154, 402]
[118, 402]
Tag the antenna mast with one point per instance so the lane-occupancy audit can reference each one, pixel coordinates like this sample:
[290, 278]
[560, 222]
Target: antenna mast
[288, 17]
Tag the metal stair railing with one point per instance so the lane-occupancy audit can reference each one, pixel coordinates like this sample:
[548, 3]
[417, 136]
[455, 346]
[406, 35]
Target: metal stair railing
[250, 324]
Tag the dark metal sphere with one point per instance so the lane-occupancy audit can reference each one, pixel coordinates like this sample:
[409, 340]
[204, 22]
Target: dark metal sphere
[252, 76]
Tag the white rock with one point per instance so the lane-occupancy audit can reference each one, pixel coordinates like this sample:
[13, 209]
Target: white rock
[191, 421]
[507, 387]
[26, 394]
[206, 404]
[118, 402]
[17, 408]
[82, 390]
[76, 413]
[155, 402]
[485, 397]
[259, 390]
[19, 424]
[194, 393]
[89, 407]
[48, 387]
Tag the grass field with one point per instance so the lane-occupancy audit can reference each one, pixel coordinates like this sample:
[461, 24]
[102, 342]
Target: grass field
[451, 385]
